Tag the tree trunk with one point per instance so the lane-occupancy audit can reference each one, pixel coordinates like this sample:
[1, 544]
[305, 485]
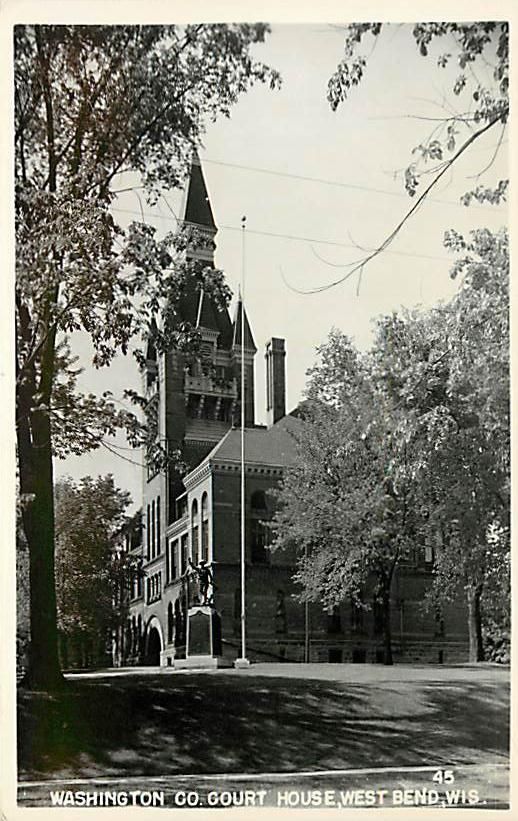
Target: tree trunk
[387, 632]
[476, 647]
[36, 483]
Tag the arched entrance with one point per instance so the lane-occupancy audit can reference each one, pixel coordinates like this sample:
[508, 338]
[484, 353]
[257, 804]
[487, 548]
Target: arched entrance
[153, 648]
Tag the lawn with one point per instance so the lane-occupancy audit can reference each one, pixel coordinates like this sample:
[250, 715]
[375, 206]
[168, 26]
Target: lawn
[268, 719]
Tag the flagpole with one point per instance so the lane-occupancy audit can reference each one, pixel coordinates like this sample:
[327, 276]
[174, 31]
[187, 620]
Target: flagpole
[243, 661]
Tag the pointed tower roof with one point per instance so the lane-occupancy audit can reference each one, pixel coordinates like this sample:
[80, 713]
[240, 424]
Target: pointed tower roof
[206, 317]
[197, 208]
[249, 343]
[199, 309]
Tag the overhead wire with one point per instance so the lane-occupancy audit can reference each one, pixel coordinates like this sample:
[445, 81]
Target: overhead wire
[335, 183]
[294, 237]
[324, 181]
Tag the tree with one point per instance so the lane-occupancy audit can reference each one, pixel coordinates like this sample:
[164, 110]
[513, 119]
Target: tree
[449, 369]
[92, 102]
[22, 599]
[345, 503]
[465, 52]
[89, 517]
[410, 444]
[466, 377]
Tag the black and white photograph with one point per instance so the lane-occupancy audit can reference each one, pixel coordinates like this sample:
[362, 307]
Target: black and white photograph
[258, 329]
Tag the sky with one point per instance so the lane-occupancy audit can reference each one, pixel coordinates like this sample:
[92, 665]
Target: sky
[300, 232]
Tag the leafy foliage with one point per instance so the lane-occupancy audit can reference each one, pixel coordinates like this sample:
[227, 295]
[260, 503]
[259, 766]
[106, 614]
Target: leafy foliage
[90, 514]
[346, 503]
[479, 49]
[93, 102]
[409, 445]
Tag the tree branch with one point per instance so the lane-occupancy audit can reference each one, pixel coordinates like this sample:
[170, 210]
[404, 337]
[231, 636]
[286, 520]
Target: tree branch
[358, 266]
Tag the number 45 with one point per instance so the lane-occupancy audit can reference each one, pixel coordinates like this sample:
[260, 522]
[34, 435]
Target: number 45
[443, 777]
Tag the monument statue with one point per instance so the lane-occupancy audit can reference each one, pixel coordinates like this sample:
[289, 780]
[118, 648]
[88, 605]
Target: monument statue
[205, 580]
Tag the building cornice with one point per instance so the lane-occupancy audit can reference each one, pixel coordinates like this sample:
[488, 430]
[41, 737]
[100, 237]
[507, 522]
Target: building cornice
[153, 563]
[199, 474]
[176, 527]
[234, 466]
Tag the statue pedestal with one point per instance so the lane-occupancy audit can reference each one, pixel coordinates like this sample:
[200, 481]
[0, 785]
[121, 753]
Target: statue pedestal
[203, 640]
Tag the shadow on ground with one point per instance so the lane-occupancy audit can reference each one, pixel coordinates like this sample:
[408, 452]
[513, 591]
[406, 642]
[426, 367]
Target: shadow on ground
[210, 723]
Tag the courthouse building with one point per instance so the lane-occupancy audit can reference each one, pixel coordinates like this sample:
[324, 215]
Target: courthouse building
[195, 409]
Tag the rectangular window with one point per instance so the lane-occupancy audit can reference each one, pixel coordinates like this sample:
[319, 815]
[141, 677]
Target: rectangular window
[205, 540]
[158, 546]
[173, 565]
[148, 534]
[153, 530]
[334, 623]
[195, 545]
[259, 539]
[379, 617]
[356, 617]
[183, 554]
[428, 554]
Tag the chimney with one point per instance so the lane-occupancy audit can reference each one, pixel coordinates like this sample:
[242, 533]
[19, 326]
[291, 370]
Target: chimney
[275, 356]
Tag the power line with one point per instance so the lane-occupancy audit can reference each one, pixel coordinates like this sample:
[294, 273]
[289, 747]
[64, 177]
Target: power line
[293, 237]
[333, 183]
[329, 242]
[111, 447]
[337, 184]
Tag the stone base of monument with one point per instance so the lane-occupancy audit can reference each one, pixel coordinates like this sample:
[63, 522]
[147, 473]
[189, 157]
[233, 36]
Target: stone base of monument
[201, 663]
[203, 640]
[241, 663]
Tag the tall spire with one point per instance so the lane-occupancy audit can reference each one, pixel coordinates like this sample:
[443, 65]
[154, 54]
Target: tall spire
[197, 208]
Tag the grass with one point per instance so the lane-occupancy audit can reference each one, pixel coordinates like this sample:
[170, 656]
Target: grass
[271, 718]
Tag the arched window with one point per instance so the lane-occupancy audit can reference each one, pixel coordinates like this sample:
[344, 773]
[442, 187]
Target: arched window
[177, 623]
[127, 642]
[205, 527]
[259, 528]
[133, 635]
[194, 533]
[139, 635]
[170, 623]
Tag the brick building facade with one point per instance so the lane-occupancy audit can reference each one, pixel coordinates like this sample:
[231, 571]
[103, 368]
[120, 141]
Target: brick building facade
[193, 408]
